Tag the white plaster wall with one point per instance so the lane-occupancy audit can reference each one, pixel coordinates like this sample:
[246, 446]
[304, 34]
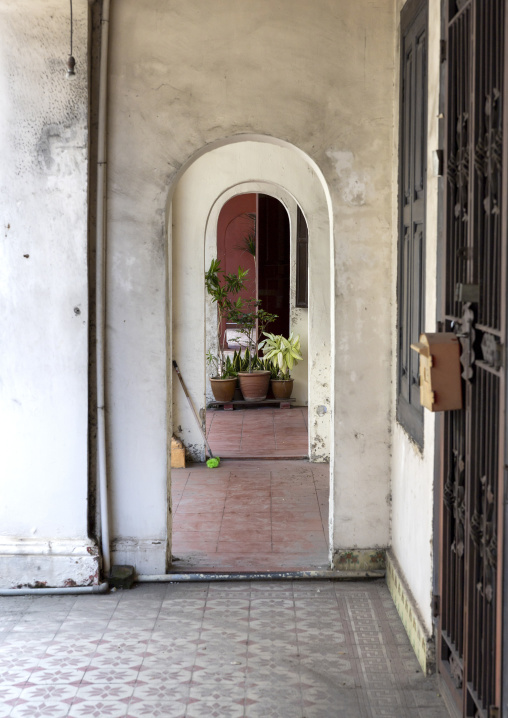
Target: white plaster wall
[319, 76]
[197, 201]
[412, 469]
[43, 290]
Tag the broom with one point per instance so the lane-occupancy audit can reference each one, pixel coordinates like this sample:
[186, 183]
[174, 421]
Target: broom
[213, 461]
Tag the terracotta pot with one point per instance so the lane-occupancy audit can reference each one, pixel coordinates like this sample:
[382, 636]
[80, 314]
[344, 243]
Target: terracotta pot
[282, 388]
[254, 385]
[223, 389]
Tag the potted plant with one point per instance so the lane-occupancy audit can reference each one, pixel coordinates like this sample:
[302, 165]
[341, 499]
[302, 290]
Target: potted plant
[223, 382]
[222, 287]
[251, 319]
[284, 354]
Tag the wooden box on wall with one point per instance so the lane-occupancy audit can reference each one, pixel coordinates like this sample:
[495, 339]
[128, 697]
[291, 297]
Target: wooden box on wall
[440, 371]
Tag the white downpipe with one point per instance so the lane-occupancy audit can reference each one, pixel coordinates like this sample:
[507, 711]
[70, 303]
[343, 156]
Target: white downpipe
[101, 289]
[101, 588]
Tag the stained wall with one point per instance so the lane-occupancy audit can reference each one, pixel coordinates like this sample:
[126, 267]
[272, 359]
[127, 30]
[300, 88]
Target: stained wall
[318, 76]
[185, 77]
[43, 296]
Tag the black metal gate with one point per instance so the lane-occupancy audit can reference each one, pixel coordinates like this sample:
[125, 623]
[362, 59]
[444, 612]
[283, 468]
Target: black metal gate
[469, 641]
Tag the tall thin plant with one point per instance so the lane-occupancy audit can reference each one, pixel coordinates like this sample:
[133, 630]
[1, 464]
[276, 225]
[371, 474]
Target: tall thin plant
[222, 287]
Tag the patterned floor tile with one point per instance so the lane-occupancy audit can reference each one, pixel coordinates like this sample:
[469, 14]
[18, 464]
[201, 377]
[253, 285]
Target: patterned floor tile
[162, 691]
[178, 671]
[117, 661]
[105, 691]
[156, 709]
[9, 693]
[94, 675]
[98, 709]
[34, 709]
[228, 649]
[14, 677]
[220, 702]
[53, 663]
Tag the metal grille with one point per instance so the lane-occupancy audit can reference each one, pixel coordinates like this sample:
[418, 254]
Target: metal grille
[475, 307]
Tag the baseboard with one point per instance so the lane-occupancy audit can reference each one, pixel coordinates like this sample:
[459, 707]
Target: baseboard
[356, 559]
[48, 563]
[148, 556]
[422, 642]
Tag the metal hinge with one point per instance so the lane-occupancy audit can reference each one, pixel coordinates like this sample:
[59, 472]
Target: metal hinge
[436, 605]
[442, 53]
[494, 712]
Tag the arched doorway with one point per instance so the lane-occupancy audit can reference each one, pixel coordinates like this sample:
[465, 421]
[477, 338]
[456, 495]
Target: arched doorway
[264, 166]
[254, 234]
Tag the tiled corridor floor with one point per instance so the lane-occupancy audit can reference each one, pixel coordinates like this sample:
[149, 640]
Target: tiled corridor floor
[262, 432]
[250, 516]
[315, 649]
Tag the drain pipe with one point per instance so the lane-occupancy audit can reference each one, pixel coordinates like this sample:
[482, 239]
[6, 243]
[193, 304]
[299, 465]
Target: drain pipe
[70, 590]
[101, 289]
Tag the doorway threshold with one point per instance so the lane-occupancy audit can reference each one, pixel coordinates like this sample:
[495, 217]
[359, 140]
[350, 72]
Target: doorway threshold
[311, 574]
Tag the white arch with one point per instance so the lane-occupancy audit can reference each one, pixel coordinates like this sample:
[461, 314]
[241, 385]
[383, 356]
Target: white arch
[298, 319]
[247, 163]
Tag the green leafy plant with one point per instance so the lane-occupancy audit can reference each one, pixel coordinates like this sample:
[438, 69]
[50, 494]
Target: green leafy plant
[251, 319]
[228, 371]
[248, 315]
[281, 352]
[241, 363]
[223, 287]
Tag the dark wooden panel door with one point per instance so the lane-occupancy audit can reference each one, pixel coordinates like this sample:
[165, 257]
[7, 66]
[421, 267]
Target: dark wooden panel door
[273, 261]
[471, 532]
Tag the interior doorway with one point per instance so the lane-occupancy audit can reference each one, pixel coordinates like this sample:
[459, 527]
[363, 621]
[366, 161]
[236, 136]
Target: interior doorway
[253, 233]
[252, 514]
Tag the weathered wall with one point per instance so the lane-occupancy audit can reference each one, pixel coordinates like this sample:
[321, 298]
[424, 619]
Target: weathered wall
[413, 469]
[44, 296]
[316, 75]
[183, 76]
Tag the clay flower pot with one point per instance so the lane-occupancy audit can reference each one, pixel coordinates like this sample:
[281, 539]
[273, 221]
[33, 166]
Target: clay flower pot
[254, 385]
[282, 388]
[223, 389]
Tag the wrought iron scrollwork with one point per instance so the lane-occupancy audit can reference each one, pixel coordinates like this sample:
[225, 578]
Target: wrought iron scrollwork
[488, 153]
[491, 350]
[457, 504]
[467, 336]
[484, 537]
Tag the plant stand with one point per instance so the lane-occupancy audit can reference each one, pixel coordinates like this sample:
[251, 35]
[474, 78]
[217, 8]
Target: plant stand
[230, 405]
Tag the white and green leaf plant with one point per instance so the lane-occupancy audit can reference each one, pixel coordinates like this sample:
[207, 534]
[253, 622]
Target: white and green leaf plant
[283, 353]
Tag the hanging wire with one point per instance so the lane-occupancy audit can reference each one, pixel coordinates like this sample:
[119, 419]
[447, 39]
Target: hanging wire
[70, 53]
[71, 62]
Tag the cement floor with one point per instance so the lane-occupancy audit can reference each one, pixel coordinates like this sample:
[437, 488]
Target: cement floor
[315, 649]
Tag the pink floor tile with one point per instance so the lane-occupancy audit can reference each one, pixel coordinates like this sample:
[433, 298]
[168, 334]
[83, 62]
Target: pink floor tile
[261, 432]
[251, 515]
